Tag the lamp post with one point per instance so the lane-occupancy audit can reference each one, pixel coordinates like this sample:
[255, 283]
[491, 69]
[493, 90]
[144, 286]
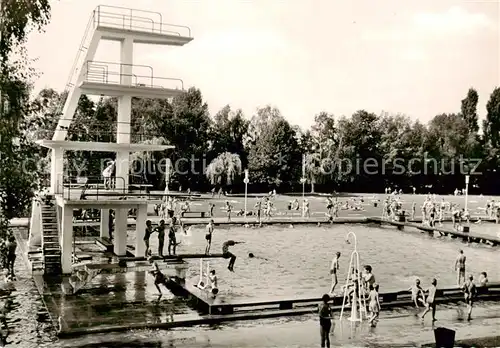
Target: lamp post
[303, 181]
[246, 181]
[467, 177]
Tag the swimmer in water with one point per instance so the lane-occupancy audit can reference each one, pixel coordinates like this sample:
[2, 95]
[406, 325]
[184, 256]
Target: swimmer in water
[460, 266]
[333, 271]
[208, 236]
[252, 256]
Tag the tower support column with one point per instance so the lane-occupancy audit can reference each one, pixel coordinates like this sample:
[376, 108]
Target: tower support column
[66, 239]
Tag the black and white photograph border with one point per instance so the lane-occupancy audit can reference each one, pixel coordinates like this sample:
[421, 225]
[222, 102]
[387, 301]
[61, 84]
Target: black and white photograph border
[249, 173]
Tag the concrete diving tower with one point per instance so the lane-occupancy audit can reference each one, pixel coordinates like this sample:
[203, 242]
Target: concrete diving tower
[121, 79]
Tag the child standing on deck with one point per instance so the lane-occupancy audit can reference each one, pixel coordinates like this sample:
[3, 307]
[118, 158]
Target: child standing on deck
[374, 304]
[431, 301]
[147, 235]
[325, 321]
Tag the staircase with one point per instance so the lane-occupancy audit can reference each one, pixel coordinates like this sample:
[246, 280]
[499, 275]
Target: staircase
[51, 248]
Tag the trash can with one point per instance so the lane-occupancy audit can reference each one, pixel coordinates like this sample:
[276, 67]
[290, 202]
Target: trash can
[466, 229]
[375, 204]
[445, 338]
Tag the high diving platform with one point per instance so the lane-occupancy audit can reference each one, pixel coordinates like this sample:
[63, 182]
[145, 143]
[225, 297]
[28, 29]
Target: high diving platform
[51, 227]
[147, 27]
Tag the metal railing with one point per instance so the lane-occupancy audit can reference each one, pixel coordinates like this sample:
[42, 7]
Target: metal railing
[138, 20]
[68, 184]
[95, 134]
[103, 72]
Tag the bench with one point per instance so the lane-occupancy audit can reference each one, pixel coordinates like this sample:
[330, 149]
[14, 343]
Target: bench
[200, 214]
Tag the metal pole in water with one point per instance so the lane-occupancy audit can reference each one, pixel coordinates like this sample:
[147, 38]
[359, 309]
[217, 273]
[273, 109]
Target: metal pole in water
[303, 183]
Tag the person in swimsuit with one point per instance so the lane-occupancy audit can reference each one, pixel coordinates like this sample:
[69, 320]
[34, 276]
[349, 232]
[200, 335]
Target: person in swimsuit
[306, 211]
[469, 290]
[460, 267]
[374, 304]
[11, 247]
[161, 236]
[325, 321]
[212, 284]
[172, 240]
[211, 211]
[333, 271]
[229, 208]
[208, 236]
[228, 255]
[147, 235]
[417, 294]
[159, 277]
[483, 279]
[368, 277]
[430, 302]
[258, 208]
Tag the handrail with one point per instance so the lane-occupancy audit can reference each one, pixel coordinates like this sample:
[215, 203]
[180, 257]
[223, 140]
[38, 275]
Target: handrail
[135, 136]
[98, 8]
[89, 75]
[65, 178]
[89, 79]
[128, 18]
[98, 13]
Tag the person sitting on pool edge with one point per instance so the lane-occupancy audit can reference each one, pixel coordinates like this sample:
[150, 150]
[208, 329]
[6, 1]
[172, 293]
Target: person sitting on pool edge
[228, 255]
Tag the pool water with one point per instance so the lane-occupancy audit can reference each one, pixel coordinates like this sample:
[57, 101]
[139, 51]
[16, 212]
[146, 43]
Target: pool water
[295, 261]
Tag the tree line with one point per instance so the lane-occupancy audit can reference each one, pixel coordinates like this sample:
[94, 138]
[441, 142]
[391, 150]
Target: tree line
[213, 150]
[364, 152]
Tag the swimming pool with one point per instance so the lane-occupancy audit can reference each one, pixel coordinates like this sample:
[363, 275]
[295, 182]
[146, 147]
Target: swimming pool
[295, 261]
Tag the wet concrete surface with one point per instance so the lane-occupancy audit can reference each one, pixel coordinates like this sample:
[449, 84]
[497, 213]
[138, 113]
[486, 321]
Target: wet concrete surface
[395, 328]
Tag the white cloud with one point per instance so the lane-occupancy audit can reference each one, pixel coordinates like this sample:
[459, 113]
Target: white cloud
[412, 41]
[454, 21]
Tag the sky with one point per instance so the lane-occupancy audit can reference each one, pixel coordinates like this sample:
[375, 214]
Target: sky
[416, 57]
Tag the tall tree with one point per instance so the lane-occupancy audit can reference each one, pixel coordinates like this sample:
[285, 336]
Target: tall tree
[491, 126]
[469, 110]
[224, 169]
[275, 156]
[228, 133]
[18, 170]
